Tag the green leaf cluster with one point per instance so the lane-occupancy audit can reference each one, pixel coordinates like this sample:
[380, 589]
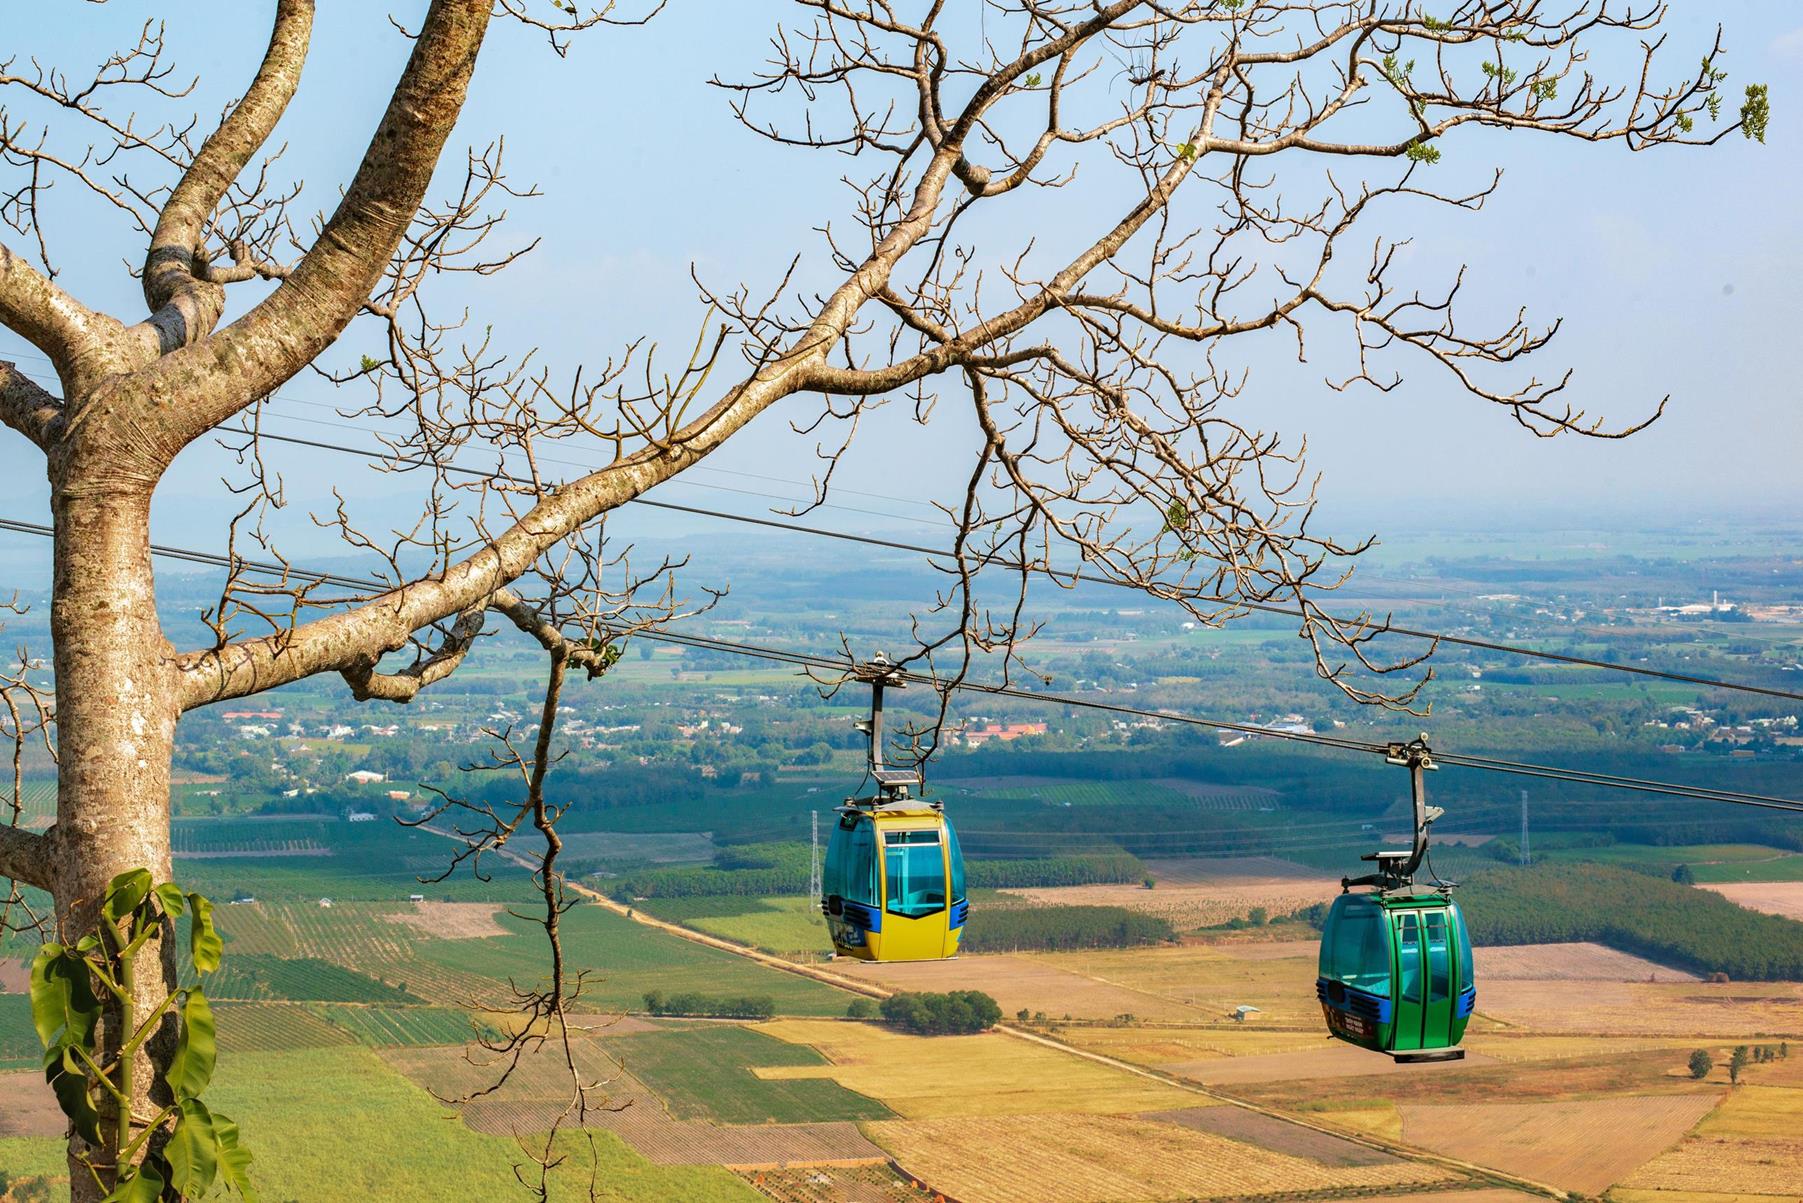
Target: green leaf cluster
[75, 986]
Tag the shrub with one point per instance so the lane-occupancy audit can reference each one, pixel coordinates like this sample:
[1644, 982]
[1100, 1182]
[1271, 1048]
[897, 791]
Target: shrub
[1701, 1063]
[861, 1008]
[959, 1013]
[708, 1007]
[1051, 928]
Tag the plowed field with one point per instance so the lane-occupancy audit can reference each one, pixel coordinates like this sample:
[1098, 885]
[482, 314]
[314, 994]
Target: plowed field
[1580, 1146]
[1102, 1158]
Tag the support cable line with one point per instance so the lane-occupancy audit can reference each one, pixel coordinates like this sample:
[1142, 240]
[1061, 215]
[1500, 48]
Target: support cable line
[1075, 577]
[1009, 565]
[842, 667]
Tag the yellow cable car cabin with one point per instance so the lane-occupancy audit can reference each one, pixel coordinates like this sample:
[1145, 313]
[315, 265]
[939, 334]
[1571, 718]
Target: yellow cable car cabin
[894, 882]
[893, 886]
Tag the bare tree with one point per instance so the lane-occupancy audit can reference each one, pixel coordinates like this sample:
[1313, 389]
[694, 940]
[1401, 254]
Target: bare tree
[1094, 364]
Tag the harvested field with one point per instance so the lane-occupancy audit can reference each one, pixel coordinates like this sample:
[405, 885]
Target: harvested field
[1744, 1009]
[1252, 1127]
[1580, 1146]
[1100, 1158]
[1034, 982]
[1231, 870]
[1773, 897]
[720, 1072]
[1510, 1046]
[1200, 982]
[739, 1146]
[1757, 1111]
[31, 1108]
[923, 1077]
[1472, 1081]
[1306, 948]
[450, 920]
[1723, 1164]
[1330, 1059]
[1167, 1046]
[539, 1091]
[1188, 907]
[836, 1184]
[1569, 963]
[15, 976]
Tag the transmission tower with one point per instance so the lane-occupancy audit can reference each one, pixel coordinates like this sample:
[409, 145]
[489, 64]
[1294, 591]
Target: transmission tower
[814, 857]
[1526, 855]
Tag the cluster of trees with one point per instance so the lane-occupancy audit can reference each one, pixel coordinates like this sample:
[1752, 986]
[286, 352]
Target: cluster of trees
[958, 1013]
[738, 871]
[1701, 1062]
[1099, 868]
[1635, 912]
[1055, 928]
[706, 1006]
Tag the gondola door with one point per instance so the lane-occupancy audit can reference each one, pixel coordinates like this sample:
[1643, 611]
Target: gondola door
[1436, 1028]
[1410, 988]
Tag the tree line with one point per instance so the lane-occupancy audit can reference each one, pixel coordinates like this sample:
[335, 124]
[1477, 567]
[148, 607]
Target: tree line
[1687, 928]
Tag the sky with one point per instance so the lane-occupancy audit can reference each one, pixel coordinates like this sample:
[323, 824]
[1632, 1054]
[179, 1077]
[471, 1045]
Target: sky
[1676, 272]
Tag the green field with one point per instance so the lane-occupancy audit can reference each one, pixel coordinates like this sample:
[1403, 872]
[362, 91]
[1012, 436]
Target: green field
[384, 1027]
[260, 976]
[704, 1072]
[19, 1047]
[274, 1027]
[327, 1125]
[784, 926]
[625, 959]
[1708, 862]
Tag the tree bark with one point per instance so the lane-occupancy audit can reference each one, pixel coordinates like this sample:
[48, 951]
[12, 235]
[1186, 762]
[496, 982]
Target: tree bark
[116, 714]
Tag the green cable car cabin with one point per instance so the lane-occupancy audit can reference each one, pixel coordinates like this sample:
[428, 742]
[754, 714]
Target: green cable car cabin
[893, 885]
[1395, 971]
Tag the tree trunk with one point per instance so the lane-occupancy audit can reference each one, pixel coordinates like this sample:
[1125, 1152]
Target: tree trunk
[116, 715]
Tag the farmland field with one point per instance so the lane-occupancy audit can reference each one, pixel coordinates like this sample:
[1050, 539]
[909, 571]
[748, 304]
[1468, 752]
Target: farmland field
[1188, 907]
[922, 1077]
[1033, 981]
[786, 926]
[1774, 898]
[273, 1027]
[1581, 962]
[405, 1148]
[713, 1071]
[626, 959]
[1584, 1146]
[1101, 1158]
[383, 1026]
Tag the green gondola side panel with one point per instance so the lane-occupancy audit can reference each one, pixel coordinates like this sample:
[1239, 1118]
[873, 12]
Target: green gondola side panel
[1395, 972]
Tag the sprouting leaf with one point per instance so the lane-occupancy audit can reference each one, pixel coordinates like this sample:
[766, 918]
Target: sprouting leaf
[143, 1185]
[193, 1150]
[1756, 112]
[197, 1051]
[204, 942]
[124, 893]
[173, 901]
[370, 365]
[63, 1006]
[1031, 81]
[1546, 89]
[1176, 516]
[1423, 152]
[234, 1158]
[1187, 152]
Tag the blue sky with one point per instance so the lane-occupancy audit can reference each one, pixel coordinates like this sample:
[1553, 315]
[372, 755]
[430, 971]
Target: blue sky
[1676, 272]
